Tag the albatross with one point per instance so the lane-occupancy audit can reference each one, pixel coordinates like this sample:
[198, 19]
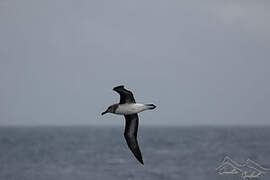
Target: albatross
[130, 109]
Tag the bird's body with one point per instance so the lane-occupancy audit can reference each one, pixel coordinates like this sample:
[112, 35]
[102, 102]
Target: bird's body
[129, 108]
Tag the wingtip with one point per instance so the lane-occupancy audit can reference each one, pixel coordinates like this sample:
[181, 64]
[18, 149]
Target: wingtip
[140, 159]
[117, 87]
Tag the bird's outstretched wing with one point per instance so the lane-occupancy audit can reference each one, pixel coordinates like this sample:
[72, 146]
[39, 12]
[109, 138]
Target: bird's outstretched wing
[131, 129]
[126, 96]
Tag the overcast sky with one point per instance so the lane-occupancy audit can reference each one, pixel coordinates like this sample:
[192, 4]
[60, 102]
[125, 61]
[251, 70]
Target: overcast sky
[201, 62]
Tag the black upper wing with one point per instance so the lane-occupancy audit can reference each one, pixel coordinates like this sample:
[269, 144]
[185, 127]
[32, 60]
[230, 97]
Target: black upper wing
[126, 96]
[131, 129]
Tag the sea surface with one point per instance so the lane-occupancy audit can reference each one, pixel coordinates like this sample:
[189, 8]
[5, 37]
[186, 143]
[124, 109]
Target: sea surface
[101, 153]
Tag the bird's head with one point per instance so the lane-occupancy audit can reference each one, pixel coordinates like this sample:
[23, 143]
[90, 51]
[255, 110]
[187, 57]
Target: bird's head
[110, 109]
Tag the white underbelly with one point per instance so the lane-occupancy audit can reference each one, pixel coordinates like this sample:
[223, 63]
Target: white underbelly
[127, 109]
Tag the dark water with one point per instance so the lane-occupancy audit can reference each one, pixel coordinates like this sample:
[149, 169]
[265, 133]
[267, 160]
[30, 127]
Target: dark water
[100, 153]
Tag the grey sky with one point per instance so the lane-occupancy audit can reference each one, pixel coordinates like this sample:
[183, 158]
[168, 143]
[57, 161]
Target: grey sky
[200, 62]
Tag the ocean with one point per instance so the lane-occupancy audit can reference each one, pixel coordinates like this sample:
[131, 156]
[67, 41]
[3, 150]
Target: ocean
[101, 153]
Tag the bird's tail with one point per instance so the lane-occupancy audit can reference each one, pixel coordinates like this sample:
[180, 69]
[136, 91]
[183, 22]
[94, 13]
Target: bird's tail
[151, 106]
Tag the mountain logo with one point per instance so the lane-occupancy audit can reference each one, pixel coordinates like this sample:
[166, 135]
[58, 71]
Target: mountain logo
[246, 171]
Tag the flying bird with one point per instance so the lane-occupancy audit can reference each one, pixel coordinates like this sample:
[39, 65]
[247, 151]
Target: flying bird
[130, 109]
